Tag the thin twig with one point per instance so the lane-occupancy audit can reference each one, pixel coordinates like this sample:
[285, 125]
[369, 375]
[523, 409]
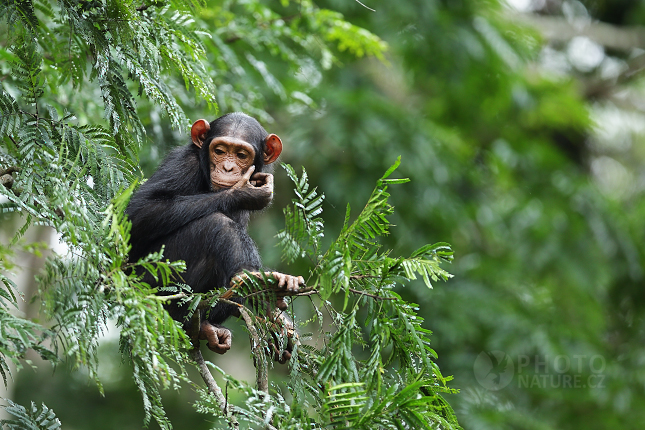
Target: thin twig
[305, 293]
[195, 326]
[171, 297]
[204, 304]
[366, 7]
[370, 295]
[363, 276]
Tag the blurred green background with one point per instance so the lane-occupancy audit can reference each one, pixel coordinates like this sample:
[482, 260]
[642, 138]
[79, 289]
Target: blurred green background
[521, 124]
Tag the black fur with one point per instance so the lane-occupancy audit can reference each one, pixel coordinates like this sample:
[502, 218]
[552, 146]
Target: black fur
[177, 208]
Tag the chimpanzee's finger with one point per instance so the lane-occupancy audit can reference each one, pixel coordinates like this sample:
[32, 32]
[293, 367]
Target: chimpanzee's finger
[245, 177]
[283, 281]
[218, 348]
[293, 284]
[249, 173]
[268, 182]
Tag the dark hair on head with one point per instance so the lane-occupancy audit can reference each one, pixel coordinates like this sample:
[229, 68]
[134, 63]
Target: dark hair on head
[240, 125]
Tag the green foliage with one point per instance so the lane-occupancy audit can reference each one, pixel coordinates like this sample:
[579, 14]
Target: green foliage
[77, 85]
[376, 368]
[355, 252]
[82, 294]
[303, 228]
[527, 166]
[36, 418]
[69, 172]
[17, 335]
[506, 152]
[280, 49]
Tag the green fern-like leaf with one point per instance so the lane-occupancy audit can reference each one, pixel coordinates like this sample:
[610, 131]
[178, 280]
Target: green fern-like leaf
[10, 115]
[34, 418]
[343, 404]
[304, 228]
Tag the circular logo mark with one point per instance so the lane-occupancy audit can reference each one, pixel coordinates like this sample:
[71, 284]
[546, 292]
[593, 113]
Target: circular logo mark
[493, 370]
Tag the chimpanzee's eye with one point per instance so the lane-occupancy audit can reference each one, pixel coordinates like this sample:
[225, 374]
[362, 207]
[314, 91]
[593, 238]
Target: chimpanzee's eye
[218, 151]
[242, 155]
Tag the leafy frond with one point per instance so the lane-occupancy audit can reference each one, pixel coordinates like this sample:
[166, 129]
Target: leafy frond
[357, 241]
[10, 115]
[348, 37]
[34, 418]
[304, 228]
[27, 68]
[343, 404]
[17, 335]
[70, 131]
[394, 381]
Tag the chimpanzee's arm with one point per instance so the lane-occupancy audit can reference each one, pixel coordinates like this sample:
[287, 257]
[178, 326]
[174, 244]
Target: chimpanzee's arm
[179, 193]
[156, 217]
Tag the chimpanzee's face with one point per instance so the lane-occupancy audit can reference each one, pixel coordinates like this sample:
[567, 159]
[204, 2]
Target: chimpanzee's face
[234, 143]
[229, 158]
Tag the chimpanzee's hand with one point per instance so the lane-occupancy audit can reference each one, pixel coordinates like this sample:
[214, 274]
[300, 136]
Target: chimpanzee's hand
[263, 184]
[259, 184]
[288, 285]
[288, 282]
[219, 338]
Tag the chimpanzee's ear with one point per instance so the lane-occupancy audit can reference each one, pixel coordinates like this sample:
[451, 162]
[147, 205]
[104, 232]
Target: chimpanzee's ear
[198, 132]
[272, 149]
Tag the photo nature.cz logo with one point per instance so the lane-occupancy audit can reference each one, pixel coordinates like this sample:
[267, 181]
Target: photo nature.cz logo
[495, 370]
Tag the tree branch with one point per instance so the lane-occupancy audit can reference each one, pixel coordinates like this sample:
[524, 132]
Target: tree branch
[259, 358]
[261, 365]
[213, 388]
[610, 36]
[280, 293]
[262, 278]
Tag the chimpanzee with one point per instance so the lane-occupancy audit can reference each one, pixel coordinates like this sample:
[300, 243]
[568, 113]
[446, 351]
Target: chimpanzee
[197, 206]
